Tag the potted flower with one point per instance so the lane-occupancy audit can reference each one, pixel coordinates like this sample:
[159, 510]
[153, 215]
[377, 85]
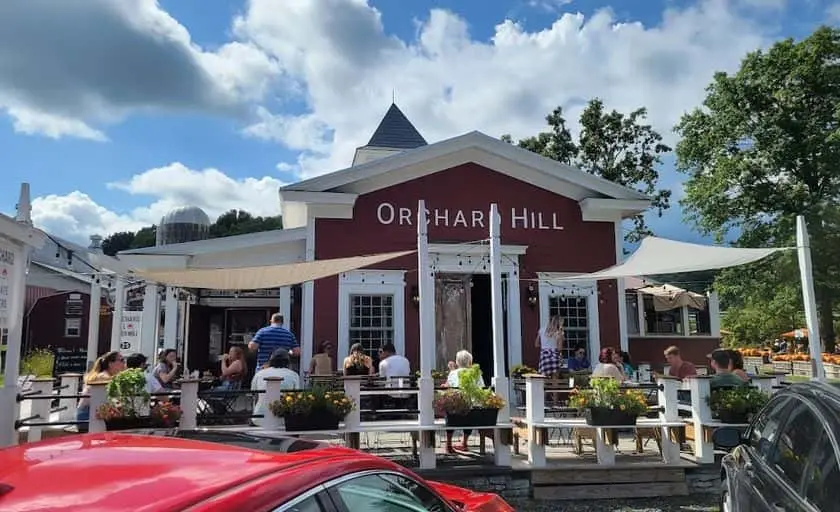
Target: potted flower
[605, 403]
[165, 414]
[520, 371]
[736, 405]
[470, 405]
[127, 405]
[314, 409]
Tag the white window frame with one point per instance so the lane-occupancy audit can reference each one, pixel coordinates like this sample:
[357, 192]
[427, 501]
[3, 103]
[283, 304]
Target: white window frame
[371, 282]
[557, 284]
[68, 327]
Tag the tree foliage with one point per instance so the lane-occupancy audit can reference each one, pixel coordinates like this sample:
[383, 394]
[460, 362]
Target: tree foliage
[615, 146]
[230, 223]
[765, 148]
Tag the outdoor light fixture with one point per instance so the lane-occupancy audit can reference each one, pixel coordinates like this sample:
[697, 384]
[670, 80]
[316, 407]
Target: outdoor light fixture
[531, 294]
[415, 295]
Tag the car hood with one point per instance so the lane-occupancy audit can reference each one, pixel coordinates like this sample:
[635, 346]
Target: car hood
[471, 501]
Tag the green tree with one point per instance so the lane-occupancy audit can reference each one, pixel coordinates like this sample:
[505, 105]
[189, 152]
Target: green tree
[615, 146]
[117, 242]
[146, 237]
[764, 148]
[239, 222]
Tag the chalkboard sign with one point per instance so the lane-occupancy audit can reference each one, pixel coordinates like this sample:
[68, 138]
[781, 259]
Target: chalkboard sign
[70, 362]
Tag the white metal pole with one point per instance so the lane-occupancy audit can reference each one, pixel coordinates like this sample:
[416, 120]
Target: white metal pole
[803, 245]
[496, 293]
[14, 323]
[186, 338]
[170, 320]
[150, 321]
[94, 308]
[425, 285]
[119, 306]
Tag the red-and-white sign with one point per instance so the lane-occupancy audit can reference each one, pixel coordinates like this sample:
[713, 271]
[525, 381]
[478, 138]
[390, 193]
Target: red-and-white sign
[130, 331]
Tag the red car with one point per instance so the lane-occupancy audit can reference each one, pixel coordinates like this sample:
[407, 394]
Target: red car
[236, 471]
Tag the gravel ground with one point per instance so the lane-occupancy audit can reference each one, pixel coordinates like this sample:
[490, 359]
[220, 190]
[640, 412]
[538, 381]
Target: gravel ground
[671, 504]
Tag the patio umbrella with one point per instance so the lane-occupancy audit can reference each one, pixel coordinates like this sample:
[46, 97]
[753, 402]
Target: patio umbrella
[802, 332]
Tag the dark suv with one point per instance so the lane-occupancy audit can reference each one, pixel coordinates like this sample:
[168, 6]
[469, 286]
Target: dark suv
[788, 458]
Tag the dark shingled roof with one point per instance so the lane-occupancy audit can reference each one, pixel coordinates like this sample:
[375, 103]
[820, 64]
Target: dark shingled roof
[395, 131]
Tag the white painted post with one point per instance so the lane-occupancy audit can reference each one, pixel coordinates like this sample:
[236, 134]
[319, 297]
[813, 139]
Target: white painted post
[604, 451]
[273, 393]
[70, 385]
[41, 408]
[170, 321]
[803, 245]
[353, 390]
[701, 415]
[119, 306]
[150, 321]
[501, 452]
[186, 355]
[98, 396]
[778, 378]
[764, 383]
[623, 340]
[94, 308]
[189, 404]
[669, 403]
[534, 414]
[425, 286]
[714, 313]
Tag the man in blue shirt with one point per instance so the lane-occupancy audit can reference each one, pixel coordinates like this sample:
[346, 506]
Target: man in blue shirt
[579, 362]
[270, 338]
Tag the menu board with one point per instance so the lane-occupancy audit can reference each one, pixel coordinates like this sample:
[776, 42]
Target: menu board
[70, 361]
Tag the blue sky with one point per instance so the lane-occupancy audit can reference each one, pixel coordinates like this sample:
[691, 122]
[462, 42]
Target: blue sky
[218, 103]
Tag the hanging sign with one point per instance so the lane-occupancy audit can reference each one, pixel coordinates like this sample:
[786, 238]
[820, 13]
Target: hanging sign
[8, 262]
[130, 331]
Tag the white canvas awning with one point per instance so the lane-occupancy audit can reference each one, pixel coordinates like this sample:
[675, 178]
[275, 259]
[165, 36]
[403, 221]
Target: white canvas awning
[662, 256]
[273, 276]
[667, 297]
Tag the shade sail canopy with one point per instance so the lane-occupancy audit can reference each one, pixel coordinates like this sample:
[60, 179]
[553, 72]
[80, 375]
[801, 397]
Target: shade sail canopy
[273, 276]
[667, 297]
[662, 256]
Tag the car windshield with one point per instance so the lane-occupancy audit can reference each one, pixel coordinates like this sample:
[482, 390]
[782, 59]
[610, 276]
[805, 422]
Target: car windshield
[254, 441]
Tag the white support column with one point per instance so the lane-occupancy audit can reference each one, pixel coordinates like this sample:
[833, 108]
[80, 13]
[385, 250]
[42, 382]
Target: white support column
[307, 331]
[186, 354]
[70, 385]
[713, 306]
[40, 408]
[98, 396]
[425, 285]
[640, 309]
[514, 326]
[620, 291]
[9, 406]
[353, 390]
[189, 404]
[273, 392]
[701, 415]
[94, 308]
[500, 381]
[119, 306]
[170, 320]
[685, 321]
[535, 414]
[668, 401]
[150, 321]
[284, 305]
[803, 245]
[604, 450]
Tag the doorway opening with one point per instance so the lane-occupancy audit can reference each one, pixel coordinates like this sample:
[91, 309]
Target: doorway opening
[482, 324]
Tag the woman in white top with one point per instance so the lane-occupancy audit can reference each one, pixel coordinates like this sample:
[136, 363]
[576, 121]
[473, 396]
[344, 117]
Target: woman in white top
[550, 342]
[606, 367]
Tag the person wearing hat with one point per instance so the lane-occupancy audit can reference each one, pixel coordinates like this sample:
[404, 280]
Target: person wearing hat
[277, 366]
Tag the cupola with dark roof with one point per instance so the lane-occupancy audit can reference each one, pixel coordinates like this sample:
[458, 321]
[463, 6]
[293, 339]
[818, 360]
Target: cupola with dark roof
[394, 134]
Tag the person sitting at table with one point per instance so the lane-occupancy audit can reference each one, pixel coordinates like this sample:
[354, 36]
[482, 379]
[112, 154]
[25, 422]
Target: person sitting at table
[723, 378]
[277, 366]
[622, 361]
[676, 366]
[463, 360]
[606, 368]
[103, 369]
[321, 363]
[167, 369]
[357, 363]
[579, 362]
[138, 360]
[736, 365]
[234, 368]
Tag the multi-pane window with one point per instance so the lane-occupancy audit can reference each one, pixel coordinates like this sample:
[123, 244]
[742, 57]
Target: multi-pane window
[371, 321]
[576, 322]
[72, 327]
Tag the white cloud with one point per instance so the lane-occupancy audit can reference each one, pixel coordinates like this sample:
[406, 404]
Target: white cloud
[832, 12]
[76, 215]
[448, 83]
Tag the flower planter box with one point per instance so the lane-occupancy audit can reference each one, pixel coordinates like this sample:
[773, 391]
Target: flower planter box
[783, 367]
[832, 371]
[802, 368]
[600, 416]
[316, 420]
[733, 417]
[474, 418]
[751, 363]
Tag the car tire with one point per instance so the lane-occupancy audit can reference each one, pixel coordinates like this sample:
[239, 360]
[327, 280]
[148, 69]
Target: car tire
[726, 502]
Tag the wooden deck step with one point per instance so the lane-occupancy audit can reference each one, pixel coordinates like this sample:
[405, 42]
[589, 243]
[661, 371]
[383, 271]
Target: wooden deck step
[608, 483]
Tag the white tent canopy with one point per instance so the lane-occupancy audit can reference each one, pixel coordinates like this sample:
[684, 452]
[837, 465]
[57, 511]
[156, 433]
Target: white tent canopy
[271, 276]
[662, 256]
[667, 297]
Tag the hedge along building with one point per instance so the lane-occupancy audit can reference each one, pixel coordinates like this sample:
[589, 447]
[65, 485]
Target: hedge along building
[557, 221]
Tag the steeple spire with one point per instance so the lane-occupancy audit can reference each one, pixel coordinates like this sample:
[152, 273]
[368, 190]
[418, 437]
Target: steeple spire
[395, 131]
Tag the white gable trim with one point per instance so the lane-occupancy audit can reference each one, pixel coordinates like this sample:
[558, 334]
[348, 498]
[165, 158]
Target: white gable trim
[491, 152]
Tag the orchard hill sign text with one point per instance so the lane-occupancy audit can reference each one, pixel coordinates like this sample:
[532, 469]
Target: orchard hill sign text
[519, 218]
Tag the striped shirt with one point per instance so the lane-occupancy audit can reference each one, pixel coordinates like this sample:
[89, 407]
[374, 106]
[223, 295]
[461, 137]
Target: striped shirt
[270, 339]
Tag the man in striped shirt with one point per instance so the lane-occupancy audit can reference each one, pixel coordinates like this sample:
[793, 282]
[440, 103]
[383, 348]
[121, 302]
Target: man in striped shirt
[270, 338]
